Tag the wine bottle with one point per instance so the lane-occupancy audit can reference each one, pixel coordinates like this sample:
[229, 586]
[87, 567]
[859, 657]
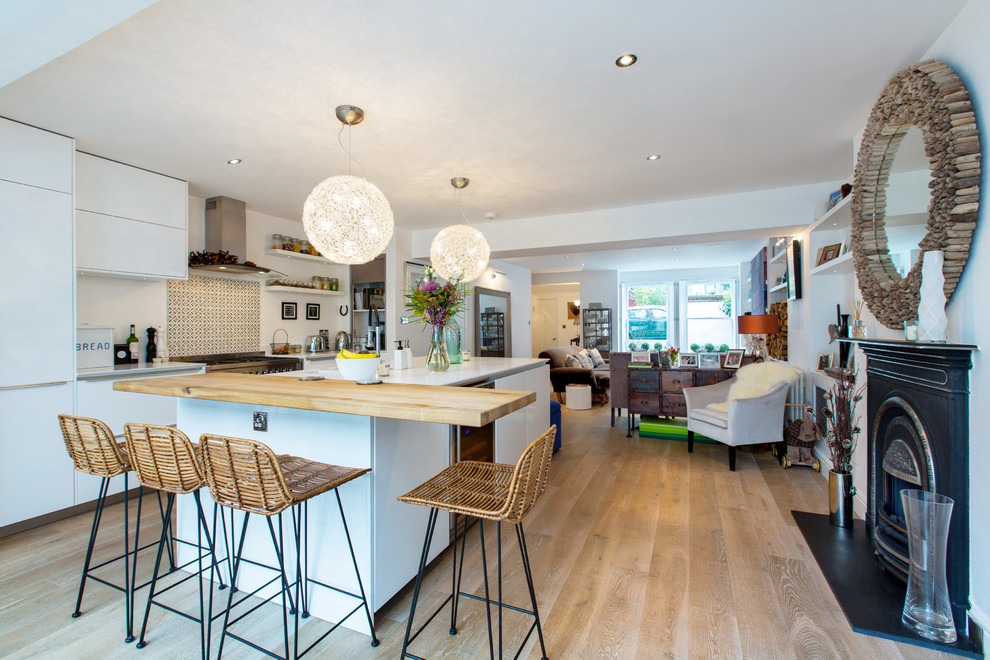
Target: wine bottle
[133, 346]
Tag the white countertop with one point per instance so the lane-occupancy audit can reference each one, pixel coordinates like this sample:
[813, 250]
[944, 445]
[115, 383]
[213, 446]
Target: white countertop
[140, 369]
[459, 374]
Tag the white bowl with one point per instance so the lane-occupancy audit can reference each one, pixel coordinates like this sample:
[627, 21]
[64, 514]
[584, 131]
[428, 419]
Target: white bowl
[358, 368]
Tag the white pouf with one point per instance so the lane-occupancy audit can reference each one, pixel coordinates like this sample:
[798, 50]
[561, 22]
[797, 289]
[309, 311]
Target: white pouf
[578, 397]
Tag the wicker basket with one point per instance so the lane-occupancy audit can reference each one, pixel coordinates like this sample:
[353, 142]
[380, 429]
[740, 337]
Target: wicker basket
[280, 348]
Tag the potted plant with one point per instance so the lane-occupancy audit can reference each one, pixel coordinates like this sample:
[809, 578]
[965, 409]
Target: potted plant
[841, 433]
[657, 346]
[695, 348]
[723, 348]
[632, 346]
[709, 347]
[645, 346]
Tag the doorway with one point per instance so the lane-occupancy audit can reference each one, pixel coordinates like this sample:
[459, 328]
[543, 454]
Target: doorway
[492, 323]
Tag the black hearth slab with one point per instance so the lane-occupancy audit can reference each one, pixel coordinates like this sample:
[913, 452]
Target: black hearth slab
[871, 598]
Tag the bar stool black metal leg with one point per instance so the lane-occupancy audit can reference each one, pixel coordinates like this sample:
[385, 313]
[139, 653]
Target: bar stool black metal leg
[233, 579]
[357, 573]
[154, 576]
[92, 543]
[137, 548]
[524, 552]
[498, 533]
[488, 597]
[453, 579]
[278, 545]
[128, 595]
[430, 525]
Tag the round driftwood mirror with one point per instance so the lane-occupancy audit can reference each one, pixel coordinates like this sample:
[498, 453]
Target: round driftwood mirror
[932, 98]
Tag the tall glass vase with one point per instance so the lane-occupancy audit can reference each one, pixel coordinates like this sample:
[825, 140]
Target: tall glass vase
[437, 359]
[452, 337]
[927, 610]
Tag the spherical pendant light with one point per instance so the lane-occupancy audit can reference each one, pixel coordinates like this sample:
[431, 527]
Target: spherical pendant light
[347, 218]
[459, 250]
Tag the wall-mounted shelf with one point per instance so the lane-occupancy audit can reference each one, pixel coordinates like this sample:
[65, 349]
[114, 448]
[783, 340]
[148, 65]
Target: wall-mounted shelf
[779, 287]
[841, 264]
[303, 290]
[380, 311]
[839, 217]
[288, 254]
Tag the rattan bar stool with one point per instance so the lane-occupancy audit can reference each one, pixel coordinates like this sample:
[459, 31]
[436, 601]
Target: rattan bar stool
[247, 476]
[486, 491]
[165, 460]
[94, 450]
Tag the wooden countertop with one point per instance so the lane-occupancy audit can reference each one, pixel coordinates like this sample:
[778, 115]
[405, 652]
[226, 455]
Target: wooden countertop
[422, 403]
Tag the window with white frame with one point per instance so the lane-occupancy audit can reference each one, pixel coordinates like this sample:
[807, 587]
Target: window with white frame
[647, 323]
[709, 315]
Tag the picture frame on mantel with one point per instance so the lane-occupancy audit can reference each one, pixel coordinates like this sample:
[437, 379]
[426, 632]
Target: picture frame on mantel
[312, 311]
[289, 311]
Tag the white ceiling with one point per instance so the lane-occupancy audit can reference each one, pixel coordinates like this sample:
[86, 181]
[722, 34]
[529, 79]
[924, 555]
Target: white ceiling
[521, 97]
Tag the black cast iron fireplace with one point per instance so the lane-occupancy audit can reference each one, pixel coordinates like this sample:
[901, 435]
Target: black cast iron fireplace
[917, 403]
[917, 434]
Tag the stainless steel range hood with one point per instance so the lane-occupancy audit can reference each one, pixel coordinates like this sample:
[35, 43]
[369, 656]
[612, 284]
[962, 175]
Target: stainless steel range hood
[226, 230]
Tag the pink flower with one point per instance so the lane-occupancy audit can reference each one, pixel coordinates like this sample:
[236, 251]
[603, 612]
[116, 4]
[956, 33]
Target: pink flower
[428, 286]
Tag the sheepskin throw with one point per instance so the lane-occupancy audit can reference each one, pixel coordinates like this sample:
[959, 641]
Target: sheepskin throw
[756, 379]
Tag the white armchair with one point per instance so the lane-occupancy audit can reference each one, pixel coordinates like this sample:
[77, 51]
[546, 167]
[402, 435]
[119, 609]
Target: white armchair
[748, 421]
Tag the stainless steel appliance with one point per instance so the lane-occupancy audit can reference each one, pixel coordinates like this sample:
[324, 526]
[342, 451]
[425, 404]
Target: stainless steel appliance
[316, 344]
[245, 363]
[342, 341]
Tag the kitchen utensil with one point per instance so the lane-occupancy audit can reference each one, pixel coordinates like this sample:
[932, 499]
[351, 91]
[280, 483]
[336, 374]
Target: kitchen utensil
[341, 341]
[315, 343]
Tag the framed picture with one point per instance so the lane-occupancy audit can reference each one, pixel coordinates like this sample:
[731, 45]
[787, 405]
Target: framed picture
[794, 270]
[289, 311]
[312, 311]
[825, 361]
[829, 252]
[689, 360]
[709, 361]
[733, 358]
[640, 357]
[415, 273]
[833, 199]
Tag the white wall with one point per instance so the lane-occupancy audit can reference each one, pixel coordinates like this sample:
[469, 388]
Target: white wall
[560, 295]
[963, 46]
[601, 286]
[517, 281]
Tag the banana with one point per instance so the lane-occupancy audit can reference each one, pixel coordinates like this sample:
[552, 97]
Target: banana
[351, 355]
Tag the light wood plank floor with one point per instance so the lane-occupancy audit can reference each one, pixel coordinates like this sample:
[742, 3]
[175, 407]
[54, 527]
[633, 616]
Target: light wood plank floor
[639, 550]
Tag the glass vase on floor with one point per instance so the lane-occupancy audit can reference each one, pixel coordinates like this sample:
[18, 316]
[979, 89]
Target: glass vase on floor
[436, 358]
[927, 610]
[452, 337]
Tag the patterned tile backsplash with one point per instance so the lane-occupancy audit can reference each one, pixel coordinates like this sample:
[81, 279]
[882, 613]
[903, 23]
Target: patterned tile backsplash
[213, 315]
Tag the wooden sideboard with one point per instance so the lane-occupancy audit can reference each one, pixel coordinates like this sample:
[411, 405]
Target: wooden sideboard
[659, 391]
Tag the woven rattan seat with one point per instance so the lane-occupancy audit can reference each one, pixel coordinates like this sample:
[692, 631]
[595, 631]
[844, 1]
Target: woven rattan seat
[493, 491]
[248, 476]
[487, 491]
[92, 447]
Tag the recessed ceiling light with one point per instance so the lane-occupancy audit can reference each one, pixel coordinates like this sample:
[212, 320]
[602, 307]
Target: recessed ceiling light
[491, 215]
[653, 157]
[234, 161]
[625, 60]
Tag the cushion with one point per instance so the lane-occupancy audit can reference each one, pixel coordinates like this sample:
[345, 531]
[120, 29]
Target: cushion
[596, 357]
[572, 361]
[713, 417]
[584, 359]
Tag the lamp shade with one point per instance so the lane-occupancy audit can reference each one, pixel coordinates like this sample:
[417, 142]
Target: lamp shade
[348, 219]
[758, 324]
[459, 251]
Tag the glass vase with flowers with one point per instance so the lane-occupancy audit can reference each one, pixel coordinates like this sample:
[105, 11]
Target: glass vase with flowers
[436, 305]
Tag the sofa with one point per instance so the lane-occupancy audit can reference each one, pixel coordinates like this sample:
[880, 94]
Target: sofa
[561, 375]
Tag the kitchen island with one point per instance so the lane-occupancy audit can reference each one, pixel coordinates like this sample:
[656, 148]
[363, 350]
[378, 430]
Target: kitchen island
[401, 429]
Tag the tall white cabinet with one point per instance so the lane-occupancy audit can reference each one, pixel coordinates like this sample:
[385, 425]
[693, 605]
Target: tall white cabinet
[36, 302]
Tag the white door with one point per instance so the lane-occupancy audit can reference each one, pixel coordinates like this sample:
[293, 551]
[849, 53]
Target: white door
[545, 324]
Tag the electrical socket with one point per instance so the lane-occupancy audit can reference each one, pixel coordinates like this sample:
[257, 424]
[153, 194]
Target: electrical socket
[260, 421]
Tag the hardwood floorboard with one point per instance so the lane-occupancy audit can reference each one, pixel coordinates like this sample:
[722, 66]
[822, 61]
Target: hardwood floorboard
[638, 550]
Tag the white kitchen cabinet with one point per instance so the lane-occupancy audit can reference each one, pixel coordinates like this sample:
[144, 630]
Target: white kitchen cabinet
[118, 246]
[36, 337]
[111, 188]
[36, 473]
[129, 222]
[515, 431]
[96, 398]
[35, 157]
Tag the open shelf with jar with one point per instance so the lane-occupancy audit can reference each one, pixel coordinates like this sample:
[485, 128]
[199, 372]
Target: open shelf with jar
[302, 256]
[304, 290]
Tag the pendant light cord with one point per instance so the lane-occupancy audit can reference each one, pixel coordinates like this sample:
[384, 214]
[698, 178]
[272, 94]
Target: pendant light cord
[347, 150]
[460, 192]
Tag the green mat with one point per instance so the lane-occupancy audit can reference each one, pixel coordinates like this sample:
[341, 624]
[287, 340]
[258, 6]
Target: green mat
[670, 429]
